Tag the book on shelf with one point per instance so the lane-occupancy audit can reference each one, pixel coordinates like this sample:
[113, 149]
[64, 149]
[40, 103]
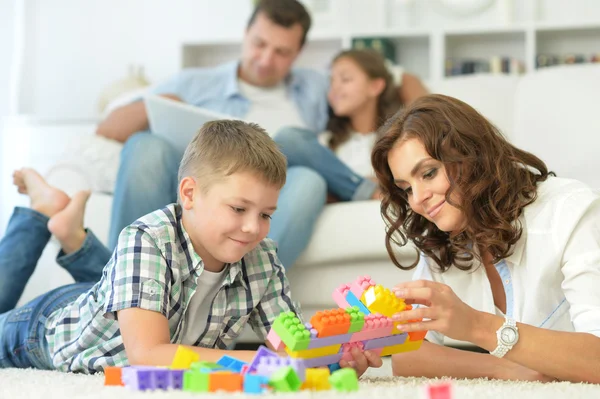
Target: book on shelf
[546, 60]
[494, 65]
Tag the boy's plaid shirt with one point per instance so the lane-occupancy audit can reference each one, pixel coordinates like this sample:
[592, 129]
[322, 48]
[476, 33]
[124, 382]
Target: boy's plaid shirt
[154, 267]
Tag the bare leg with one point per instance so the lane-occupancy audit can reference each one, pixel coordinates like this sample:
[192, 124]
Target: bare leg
[44, 198]
[67, 225]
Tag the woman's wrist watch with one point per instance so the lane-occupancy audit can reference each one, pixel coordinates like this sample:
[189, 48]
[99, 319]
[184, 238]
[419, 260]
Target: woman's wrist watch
[507, 335]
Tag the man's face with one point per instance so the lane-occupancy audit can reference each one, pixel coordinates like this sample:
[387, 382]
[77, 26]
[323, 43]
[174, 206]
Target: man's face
[268, 52]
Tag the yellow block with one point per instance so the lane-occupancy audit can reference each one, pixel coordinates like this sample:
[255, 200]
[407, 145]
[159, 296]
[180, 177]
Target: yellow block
[184, 358]
[315, 352]
[407, 346]
[379, 299]
[317, 379]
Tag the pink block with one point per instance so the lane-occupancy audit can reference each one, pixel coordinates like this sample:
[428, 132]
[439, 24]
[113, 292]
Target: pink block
[360, 285]
[274, 340]
[339, 296]
[376, 326]
[245, 368]
[347, 347]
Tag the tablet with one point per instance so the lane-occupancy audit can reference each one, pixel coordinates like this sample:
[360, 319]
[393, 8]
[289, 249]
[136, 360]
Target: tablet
[177, 122]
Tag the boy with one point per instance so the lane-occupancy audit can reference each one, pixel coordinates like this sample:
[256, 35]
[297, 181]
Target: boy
[193, 273]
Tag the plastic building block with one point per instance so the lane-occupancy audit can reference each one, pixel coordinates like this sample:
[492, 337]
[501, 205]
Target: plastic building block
[268, 365]
[206, 366]
[328, 341]
[381, 300]
[346, 348]
[357, 319]
[184, 358]
[376, 326]
[285, 380]
[112, 376]
[339, 296]
[244, 370]
[291, 331]
[439, 391]
[315, 352]
[322, 361]
[255, 383]
[354, 301]
[344, 380]
[176, 379]
[225, 381]
[317, 379]
[262, 353]
[417, 335]
[274, 340]
[312, 330]
[407, 346]
[231, 363]
[330, 322]
[334, 366]
[385, 341]
[360, 285]
[146, 378]
[195, 381]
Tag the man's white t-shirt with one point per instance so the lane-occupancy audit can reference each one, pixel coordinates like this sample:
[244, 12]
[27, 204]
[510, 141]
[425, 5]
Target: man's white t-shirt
[355, 152]
[198, 309]
[272, 108]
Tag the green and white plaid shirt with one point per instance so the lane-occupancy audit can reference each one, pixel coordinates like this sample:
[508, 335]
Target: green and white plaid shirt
[154, 267]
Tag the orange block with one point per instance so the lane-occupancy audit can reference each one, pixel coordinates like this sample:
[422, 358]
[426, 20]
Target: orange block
[112, 376]
[331, 322]
[225, 381]
[417, 335]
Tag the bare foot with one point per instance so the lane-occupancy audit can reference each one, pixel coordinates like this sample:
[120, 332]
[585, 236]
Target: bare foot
[67, 225]
[44, 198]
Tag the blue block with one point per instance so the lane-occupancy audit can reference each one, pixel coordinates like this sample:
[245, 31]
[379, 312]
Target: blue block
[354, 301]
[231, 363]
[255, 383]
[334, 367]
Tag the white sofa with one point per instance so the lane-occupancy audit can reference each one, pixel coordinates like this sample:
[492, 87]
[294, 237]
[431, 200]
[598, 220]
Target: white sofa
[549, 112]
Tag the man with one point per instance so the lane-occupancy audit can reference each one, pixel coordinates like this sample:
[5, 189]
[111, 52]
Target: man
[261, 87]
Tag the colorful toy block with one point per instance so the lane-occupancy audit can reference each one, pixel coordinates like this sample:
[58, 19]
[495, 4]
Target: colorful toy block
[322, 361]
[357, 319]
[317, 379]
[291, 331]
[267, 365]
[339, 296]
[206, 366]
[376, 326]
[329, 341]
[225, 381]
[231, 363]
[255, 383]
[333, 367]
[274, 340]
[347, 347]
[196, 381]
[112, 376]
[385, 341]
[184, 358]
[381, 300]
[360, 285]
[315, 352]
[439, 391]
[407, 346]
[344, 380]
[354, 301]
[262, 353]
[151, 378]
[285, 380]
[330, 322]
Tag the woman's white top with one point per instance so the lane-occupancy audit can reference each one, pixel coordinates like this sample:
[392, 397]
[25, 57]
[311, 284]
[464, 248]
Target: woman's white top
[355, 152]
[552, 279]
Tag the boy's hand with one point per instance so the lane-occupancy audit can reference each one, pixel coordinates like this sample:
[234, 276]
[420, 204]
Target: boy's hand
[362, 361]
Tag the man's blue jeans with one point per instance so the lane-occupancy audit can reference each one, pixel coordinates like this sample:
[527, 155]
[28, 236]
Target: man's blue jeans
[147, 180]
[22, 330]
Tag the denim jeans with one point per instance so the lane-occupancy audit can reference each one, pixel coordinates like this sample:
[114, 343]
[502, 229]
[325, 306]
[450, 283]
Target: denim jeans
[147, 180]
[22, 330]
[302, 148]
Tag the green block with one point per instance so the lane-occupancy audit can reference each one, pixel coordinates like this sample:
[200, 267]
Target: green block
[291, 331]
[357, 319]
[344, 380]
[285, 380]
[198, 366]
[195, 381]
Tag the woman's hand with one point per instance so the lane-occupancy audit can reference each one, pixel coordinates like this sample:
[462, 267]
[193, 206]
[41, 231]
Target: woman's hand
[362, 361]
[441, 309]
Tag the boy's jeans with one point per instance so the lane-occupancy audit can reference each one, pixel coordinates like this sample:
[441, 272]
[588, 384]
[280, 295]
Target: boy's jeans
[147, 181]
[22, 330]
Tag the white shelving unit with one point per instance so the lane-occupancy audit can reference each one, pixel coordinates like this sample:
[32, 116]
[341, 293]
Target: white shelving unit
[425, 40]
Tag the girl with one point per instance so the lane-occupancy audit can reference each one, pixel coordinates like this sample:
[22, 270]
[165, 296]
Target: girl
[362, 95]
[509, 254]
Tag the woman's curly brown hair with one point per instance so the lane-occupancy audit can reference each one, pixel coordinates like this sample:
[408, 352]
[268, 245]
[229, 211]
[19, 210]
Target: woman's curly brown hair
[493, 179]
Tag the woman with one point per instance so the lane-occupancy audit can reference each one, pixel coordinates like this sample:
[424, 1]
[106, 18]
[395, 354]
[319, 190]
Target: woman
[500, 239]
[362, 95]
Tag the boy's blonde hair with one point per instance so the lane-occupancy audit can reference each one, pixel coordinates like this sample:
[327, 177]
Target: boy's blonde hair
[224, 147]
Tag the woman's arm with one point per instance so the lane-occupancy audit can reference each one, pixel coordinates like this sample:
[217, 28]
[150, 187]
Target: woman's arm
[147, 340]
[433, 360]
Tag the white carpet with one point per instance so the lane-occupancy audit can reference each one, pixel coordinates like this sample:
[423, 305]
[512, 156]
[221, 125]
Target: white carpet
[37, 384]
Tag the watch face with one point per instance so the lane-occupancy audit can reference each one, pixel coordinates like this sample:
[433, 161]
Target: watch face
[508, 335]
